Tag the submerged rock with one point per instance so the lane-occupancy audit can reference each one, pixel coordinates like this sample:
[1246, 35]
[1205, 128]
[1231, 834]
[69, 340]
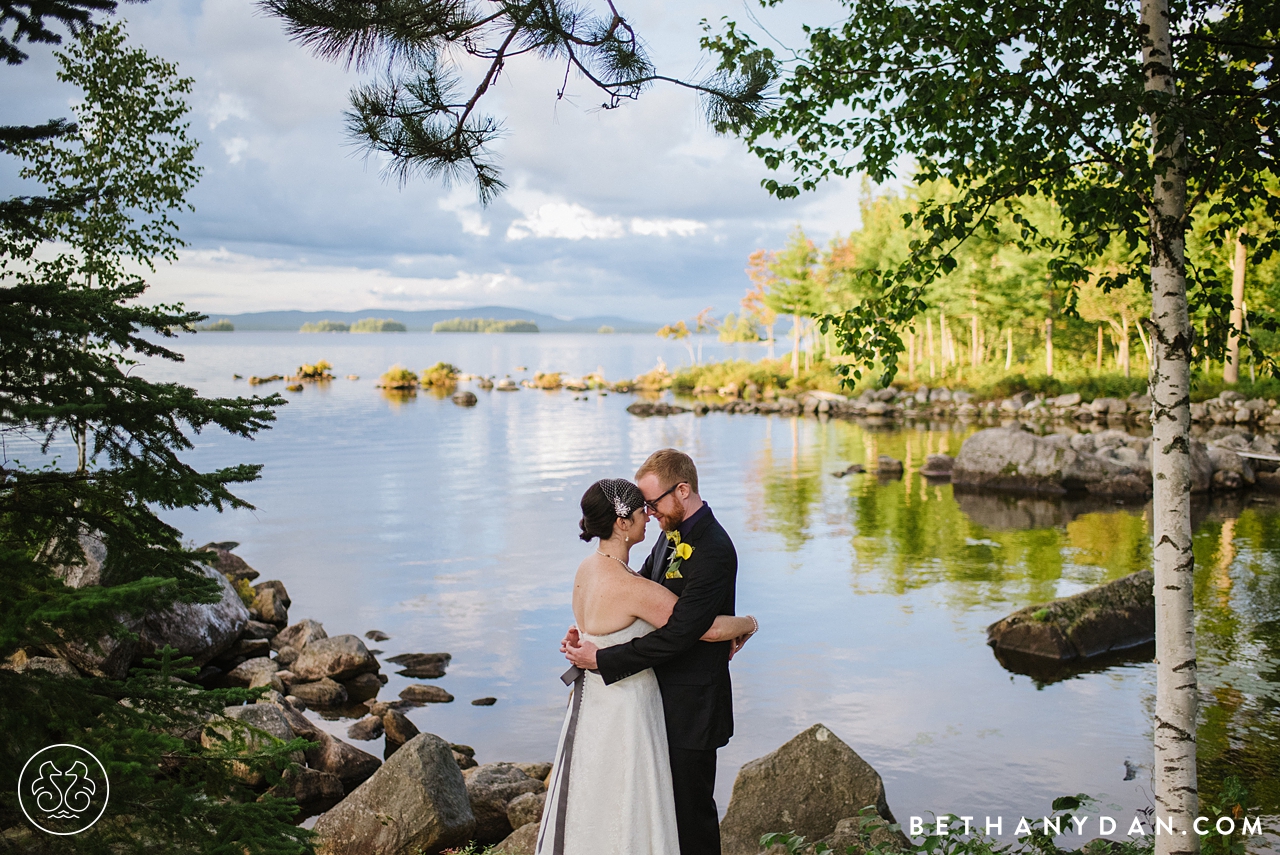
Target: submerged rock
[807, 786]
[422, 665]
[938, 466]
[426, 695]
[1114, 616]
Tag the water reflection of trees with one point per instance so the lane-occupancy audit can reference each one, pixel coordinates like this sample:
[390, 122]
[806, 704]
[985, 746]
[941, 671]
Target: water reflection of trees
[908, 534]
[1238, 650]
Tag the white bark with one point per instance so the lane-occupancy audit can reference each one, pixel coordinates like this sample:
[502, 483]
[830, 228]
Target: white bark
[1174, 771]
[1231, 366]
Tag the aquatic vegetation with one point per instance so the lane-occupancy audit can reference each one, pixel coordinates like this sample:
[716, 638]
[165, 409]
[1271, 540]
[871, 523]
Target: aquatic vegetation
[442, 375]
[398, 377]
[547, 380]
[320, 371]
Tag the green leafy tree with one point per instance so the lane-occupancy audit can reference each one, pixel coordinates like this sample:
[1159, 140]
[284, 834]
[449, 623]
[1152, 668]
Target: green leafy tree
[72, 327]
[796, 290]
[1133, 119]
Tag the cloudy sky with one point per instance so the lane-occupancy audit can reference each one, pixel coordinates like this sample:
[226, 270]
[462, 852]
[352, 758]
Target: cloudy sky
[641, 211]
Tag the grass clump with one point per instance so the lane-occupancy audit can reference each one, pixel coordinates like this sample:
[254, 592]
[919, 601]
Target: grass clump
[547, 380]
[442, 375]
[398, 377]
[320, 371]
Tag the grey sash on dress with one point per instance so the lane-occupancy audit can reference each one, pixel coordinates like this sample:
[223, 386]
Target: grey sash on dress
[577, 678]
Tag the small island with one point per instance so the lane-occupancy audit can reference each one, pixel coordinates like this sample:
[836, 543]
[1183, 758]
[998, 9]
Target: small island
[220, 325]
[325, 326]
[365, 325]
[484, 325]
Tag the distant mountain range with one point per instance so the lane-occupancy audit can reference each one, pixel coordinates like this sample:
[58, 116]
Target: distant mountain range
[423, 320]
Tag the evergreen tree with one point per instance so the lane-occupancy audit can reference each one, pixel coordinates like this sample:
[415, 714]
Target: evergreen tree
[71, 332]
[426, 118]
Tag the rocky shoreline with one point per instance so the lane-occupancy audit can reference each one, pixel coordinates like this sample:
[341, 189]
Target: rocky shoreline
[425, 795]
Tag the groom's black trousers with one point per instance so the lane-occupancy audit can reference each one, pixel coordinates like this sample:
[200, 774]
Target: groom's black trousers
[693, 778]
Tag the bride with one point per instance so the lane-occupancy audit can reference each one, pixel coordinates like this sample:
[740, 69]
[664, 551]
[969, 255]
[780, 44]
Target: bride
[611, 788]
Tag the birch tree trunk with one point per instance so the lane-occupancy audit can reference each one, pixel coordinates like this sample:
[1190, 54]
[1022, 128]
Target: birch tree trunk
[1174, 772]
[1231, 367]
[1048, 347]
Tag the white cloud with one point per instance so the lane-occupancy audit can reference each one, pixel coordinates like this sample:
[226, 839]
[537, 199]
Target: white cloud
[666, 228]
[225, 281]
[235, 148]
[567, 220]
[226, 106]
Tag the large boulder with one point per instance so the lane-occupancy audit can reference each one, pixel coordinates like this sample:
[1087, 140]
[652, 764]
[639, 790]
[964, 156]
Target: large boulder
[87, 565]
[398, 730]
[806, 786]
[104, 657]
[858, 834]
[1114, 616]
[269, 606]
[1013, 460]
[199, 630]
[491, 788]
[339, 658]
[262, 723]
[252, 672]
[351, 765]
[1230, 470]
[415, 803]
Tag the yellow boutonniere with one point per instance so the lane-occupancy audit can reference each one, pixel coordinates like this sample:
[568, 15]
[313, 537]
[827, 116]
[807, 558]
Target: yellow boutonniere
[679, 554]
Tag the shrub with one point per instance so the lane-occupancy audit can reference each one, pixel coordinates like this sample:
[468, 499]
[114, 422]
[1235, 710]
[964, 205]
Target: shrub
[319, 371]
[398, 377]
[442, 375]
[550, 380]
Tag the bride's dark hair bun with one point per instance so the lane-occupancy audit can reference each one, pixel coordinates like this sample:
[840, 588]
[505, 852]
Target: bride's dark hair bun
[599, 510]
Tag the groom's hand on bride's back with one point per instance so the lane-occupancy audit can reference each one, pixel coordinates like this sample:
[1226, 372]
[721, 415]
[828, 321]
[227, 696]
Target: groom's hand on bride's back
[582, 654]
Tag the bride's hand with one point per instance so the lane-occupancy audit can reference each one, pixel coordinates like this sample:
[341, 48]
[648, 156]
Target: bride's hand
[571, 638]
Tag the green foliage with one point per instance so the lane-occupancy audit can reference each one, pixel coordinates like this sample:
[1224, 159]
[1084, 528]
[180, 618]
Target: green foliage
[398, 377]
[326, 326]
[244, 589]
[738, 329]
[220, 325]
[441, 375]
[1018, 105]
[605, 330]
[72, 328]
[320, 371]
[373, 325]
[484, 325]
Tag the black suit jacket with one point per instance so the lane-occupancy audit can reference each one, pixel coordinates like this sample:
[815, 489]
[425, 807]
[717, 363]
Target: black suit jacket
[693, 675]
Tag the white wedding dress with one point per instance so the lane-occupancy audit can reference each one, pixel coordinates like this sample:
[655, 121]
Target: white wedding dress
[617, 797]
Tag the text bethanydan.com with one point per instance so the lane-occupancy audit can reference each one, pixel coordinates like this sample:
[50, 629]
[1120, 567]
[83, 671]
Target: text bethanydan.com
[1103, 825]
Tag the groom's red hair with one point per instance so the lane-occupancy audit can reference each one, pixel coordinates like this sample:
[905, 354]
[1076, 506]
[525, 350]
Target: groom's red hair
[671, 467]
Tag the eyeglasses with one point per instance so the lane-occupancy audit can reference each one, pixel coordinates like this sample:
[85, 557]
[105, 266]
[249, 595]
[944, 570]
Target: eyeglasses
[652, 504]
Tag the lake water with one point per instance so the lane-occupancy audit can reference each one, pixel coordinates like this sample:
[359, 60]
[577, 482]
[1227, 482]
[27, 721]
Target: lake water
[455, 529]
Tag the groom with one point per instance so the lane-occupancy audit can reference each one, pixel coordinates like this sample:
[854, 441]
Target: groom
[693, 675]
